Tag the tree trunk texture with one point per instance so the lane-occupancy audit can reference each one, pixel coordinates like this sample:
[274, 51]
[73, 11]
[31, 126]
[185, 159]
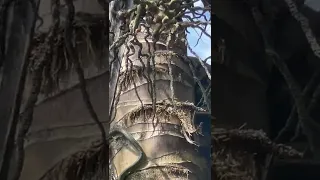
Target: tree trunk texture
[165, 135]
[61, 122]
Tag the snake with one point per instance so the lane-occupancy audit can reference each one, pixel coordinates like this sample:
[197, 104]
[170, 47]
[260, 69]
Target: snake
[135, 144]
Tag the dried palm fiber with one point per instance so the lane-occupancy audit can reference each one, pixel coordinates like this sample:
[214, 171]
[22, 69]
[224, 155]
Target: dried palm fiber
[88, 39]
[240, 153]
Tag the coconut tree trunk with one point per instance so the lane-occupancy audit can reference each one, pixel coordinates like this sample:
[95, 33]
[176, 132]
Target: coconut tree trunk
[155, 104]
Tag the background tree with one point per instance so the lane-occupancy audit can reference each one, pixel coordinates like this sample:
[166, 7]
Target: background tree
[271, 49]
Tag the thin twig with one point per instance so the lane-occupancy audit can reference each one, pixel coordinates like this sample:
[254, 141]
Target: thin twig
[304, 22]
[292, 121]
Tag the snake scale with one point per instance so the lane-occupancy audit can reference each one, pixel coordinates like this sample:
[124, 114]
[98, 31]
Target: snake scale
[135, 144]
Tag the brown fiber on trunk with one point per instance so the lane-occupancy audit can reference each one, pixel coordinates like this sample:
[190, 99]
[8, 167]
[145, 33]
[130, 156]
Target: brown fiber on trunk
[165, 137]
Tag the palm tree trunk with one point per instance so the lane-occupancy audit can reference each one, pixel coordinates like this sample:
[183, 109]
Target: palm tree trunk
[155, 104]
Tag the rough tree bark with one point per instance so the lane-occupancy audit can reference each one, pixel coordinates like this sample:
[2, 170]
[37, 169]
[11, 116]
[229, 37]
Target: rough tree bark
[155, 104]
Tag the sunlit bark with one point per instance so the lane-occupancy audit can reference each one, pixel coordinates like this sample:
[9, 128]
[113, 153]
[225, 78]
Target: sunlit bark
[147, 85]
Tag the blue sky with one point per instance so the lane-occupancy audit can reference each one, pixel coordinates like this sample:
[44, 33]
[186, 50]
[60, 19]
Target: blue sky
[203, 48]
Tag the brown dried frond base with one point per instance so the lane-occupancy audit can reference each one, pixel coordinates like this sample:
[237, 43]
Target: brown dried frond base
[88, 38]
[239, 154]
[89, 164]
